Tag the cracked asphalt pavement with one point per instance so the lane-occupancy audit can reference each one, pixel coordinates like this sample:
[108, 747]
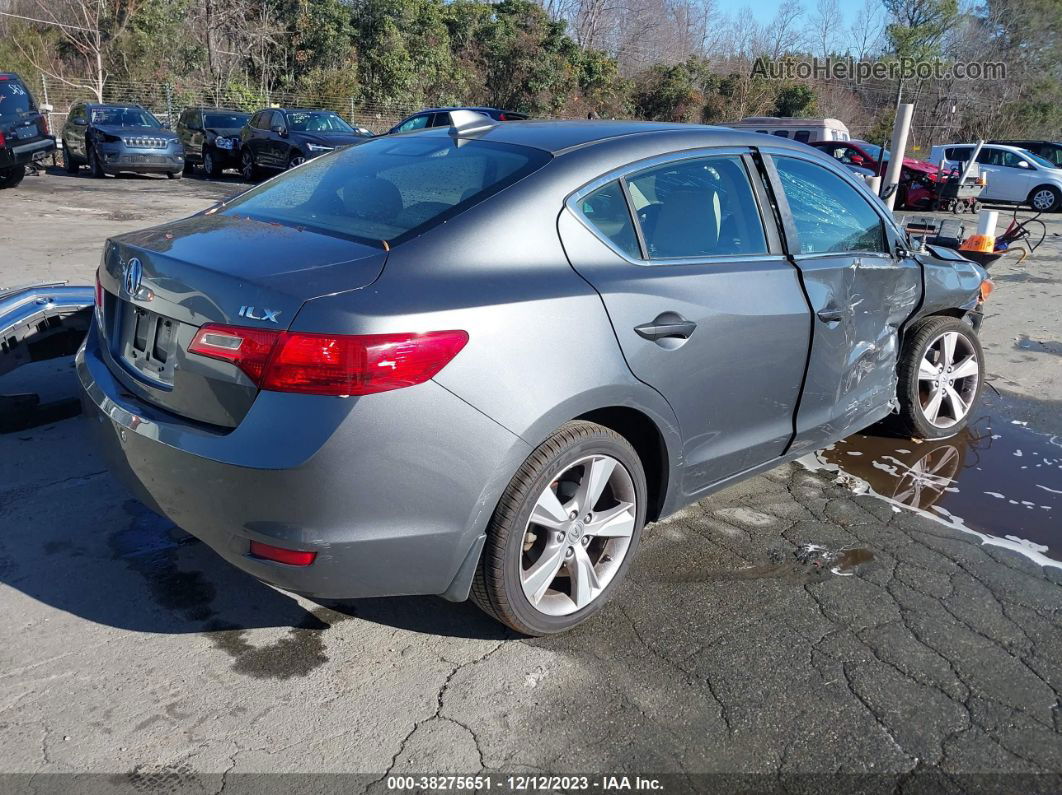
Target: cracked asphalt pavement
[778, 635]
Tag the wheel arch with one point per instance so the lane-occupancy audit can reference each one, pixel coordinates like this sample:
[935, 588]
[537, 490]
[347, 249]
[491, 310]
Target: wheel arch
[648, 442]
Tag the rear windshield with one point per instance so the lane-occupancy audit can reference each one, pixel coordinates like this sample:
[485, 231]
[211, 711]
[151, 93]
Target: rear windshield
[226, 119]
[14, 98]
[388, 189]
[124, 117]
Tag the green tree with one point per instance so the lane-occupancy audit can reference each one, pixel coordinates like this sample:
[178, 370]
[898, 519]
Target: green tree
[795, 99]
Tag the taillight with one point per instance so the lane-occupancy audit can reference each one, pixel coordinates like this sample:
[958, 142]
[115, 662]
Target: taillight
[3, 140]
[330, 364]
[44, 124]
[292, 557]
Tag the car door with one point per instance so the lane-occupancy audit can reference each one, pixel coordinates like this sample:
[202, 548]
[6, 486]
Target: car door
[860, 292]
[1002, 182]
[195, 134]
[704, 303]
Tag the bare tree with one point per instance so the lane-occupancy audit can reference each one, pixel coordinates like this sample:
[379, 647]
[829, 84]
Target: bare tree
[867, 30]
[823, 26]
[88, 27]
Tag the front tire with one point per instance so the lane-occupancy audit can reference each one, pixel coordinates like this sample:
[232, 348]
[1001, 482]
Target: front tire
[95, 166]
[564, 533]
[1045, 199]
[69, 164]
[176, 174]
[211, 167]
[248, 167]
[10, 177]
[940, 377]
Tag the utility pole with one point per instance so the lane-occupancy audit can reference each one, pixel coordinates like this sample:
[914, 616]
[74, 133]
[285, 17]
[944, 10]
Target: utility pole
[896, 152]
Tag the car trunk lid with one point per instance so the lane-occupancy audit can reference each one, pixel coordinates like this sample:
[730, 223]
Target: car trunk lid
[162, 284]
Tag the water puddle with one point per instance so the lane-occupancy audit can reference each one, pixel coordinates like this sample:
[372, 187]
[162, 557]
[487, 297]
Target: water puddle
[999, 479]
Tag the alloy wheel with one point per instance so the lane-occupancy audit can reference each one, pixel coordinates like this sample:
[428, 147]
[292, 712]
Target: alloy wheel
[296, 160]
[578, 535]
[1043, 199]
[947, 379]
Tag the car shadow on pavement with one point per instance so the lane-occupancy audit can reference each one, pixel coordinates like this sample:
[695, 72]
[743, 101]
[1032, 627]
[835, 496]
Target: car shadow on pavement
[72, 538]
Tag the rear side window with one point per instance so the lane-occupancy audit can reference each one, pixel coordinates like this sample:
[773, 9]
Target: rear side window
[388, 189]
[698, 208]
[830, 215]
[802, 135]
[958, 153]
[14, 98]
[781, 133]
[606, 209]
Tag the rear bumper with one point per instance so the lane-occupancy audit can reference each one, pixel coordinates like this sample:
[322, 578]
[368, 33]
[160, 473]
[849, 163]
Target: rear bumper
[19, 154]
[393, 491]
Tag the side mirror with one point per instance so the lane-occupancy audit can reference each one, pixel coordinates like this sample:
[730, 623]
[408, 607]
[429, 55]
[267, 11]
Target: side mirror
[278, 129]
[858, 160]
[46, 108]
[1024, 164]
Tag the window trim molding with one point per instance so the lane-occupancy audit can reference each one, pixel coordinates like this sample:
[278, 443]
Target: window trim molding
[620, 174]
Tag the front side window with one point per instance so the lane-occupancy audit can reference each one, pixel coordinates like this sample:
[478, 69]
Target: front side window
[829, 214]
[606, 209]
[14, 98]
[698, 208]
[388, 189]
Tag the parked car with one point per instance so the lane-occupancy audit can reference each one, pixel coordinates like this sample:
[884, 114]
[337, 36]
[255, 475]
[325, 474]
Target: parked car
[113, 138]
[804, 130]
[279, 138]
[1051, 151]
[478, 362]
[211, 138]
[24, 133]
[917, 177]
[1013, 175]
[440, 117]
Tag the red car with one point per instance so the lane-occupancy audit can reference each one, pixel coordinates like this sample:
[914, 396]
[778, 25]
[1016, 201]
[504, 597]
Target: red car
[918, 178]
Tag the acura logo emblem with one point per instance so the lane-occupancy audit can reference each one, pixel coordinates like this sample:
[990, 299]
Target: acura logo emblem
[134, 274]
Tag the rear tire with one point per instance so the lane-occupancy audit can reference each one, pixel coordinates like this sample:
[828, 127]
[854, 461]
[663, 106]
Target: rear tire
[189, 166]
[926, 368]
[10, 177]
[1045, 199]
[548, 520]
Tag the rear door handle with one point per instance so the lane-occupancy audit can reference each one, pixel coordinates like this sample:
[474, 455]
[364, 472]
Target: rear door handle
[663, 327]
[830, 315]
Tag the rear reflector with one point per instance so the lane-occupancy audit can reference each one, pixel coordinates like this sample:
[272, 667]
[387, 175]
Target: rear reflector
[292, 557]
[329, 364]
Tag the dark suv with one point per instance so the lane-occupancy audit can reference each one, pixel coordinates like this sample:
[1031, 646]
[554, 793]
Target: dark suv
[440, 117]
[279, 138]
[1051, 151]
[211, 138]
[113, 138]
[24, 132]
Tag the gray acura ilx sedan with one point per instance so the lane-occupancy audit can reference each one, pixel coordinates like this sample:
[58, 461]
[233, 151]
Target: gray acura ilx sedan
[477, 360]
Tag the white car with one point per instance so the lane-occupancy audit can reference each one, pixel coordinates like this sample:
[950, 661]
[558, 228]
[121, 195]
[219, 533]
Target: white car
[1014, 175]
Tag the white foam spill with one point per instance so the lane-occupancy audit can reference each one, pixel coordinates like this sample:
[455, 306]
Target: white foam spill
[814, 462]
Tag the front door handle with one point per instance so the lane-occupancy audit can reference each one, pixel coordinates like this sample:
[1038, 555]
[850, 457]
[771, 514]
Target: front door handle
[666, 325]
[830, 314]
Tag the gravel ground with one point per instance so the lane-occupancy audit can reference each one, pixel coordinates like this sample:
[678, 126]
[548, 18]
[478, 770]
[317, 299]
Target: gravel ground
[788, 630]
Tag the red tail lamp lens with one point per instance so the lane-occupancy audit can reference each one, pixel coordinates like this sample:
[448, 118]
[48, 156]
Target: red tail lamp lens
[330, 364]
[292, 557]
